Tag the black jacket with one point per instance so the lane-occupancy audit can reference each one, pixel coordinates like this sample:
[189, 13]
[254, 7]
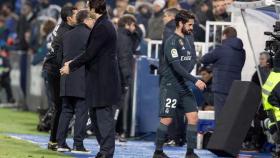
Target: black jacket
[54, 57]
[125, 55]
[74, 44]
[24, 25]
[228, 61]
[102, 70]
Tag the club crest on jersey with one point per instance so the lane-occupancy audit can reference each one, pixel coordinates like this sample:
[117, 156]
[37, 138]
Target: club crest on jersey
[174, 53]
[181, 42]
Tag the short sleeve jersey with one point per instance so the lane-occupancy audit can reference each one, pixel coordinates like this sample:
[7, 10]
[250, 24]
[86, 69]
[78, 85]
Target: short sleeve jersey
[175, 49]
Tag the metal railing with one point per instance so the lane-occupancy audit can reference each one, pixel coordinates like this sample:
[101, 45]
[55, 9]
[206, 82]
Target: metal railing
[213, 27]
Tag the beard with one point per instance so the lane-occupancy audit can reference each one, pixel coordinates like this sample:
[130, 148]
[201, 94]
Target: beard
[185, 31]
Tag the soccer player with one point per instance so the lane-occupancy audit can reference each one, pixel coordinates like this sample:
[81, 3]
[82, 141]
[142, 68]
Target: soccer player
[173, 90]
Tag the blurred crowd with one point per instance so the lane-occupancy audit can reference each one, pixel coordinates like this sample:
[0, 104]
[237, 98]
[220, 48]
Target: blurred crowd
[26, 25]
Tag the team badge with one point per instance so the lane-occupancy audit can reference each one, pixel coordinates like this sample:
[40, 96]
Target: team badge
[174, 53]
[181, 42]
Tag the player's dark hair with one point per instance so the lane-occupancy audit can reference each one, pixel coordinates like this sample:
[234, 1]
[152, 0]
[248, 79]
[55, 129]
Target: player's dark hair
[67, 11]
[99, 6]
[184, 16]
[126, 19]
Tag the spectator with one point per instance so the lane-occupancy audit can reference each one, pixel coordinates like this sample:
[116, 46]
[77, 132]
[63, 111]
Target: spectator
[45, 31]
[155, 24]
[204, 12]
[173, 4]
[5, 67]
[188, 5]
[228, 61]
[219, 10]
[4, 33]
[137, 34]
[143, 14]
[264, 67]
[81, 4]
[45, 9]
[229, 2]
[206, 76]
[120, 9]
[24, 31]
[125, 50]
[10, 16]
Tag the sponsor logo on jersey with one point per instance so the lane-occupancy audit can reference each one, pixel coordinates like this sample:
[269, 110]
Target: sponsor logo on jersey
[186, 58]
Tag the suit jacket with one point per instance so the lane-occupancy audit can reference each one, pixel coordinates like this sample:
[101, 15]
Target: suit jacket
[74, 44]
[100, 60]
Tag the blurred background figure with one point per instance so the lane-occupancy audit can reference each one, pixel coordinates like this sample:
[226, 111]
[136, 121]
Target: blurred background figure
[207, 76]
[10, 17]
[125, 50]
[155, 24]
[143, 14]
[265, 66]
[23, 43]
[219, 10]
[5, 67]
[121, 6]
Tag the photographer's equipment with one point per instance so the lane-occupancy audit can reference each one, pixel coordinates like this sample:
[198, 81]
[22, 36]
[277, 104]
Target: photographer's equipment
[235, 120]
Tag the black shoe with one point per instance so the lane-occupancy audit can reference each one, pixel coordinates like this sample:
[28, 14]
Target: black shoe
[159, 154]
[64, 148]
[52, 146]
[99, 155]
[191, 155]
[80, 150]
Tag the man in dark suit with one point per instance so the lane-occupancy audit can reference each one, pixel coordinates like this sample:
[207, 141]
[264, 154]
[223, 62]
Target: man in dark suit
[102, 77]
[72, 87]
[228, 61]
[51, 69]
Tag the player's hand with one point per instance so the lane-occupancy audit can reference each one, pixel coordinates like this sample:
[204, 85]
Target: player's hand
[65, 70]
[200, 85]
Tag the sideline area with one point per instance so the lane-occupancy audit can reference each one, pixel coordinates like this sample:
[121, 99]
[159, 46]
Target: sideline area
[19, 138]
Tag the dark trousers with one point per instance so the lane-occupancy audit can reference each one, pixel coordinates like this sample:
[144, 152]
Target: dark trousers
[52, 83]
[71, 106]
[219, 102]
[104, 127]
[23, 72]
[121, 112]
[6, 84]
